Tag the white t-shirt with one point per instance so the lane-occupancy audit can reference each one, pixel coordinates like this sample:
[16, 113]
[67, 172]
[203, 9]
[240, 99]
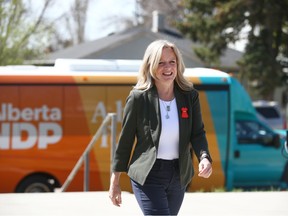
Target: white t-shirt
[169, 138]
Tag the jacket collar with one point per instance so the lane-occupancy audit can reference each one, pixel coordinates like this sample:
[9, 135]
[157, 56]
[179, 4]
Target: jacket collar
[181, 101]
[155, 117]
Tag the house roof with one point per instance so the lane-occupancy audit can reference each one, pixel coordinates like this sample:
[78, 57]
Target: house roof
[110, 42]
[131, 44]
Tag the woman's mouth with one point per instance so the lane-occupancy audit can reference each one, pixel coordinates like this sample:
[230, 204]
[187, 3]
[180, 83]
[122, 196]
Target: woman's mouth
[167, 74]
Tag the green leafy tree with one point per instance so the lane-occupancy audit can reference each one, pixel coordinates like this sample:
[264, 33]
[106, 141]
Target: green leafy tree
[21, 35]
[217, 23]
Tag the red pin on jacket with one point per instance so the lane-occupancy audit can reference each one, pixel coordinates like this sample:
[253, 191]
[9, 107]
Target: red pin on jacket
[184, 113]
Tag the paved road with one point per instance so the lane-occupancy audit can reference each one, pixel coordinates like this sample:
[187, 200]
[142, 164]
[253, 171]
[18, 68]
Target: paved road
[98, 203]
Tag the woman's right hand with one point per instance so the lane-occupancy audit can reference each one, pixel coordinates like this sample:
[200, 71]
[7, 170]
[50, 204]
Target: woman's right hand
[115, 190]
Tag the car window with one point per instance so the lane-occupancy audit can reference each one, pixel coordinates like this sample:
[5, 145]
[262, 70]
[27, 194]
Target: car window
[268, 112]
[252, 132]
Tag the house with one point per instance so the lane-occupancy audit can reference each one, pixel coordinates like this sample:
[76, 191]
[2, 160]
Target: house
[131, 44]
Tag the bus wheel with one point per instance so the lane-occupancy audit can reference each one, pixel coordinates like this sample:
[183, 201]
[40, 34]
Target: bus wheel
[36, 184]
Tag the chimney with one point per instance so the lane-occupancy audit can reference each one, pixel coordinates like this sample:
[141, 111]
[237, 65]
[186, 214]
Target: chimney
[158, 22]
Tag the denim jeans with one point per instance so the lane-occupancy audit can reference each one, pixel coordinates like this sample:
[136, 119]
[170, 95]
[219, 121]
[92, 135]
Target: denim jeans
[161, 193]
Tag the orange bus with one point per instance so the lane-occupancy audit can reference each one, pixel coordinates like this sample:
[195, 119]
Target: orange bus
[48, 115]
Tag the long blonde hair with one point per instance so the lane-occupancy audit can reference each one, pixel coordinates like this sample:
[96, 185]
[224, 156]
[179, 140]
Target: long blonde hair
[151, 59]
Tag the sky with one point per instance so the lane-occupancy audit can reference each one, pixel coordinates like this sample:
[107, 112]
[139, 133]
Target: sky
[103, 16]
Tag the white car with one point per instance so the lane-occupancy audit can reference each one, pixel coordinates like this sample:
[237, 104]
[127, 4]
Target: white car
[269, 112]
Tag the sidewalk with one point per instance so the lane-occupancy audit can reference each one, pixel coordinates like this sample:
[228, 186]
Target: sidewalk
[98, 203]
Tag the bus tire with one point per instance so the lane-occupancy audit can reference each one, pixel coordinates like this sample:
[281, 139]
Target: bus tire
[36, 184]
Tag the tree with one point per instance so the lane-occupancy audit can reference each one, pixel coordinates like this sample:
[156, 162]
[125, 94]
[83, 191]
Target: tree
[71, 25]
[78, 20]
[216, 23]
[68, 28]
[20, 35]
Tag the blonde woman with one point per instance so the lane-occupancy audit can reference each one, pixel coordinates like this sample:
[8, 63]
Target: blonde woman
[163, 113]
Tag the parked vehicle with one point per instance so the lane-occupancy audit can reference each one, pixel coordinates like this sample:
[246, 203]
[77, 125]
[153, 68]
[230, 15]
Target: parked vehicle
[270, 113]
[48, 115]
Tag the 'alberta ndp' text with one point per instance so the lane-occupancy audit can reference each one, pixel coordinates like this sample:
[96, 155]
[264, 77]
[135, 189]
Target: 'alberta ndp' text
[15, 122]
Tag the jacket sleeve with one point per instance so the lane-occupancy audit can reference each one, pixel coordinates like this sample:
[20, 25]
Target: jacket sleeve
[127, 136]
[198, 135]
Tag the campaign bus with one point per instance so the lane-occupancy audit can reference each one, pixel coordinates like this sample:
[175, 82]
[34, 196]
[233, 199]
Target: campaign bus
[48, 116]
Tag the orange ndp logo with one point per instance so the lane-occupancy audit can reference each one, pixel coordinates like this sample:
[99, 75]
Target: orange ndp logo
[16, 122]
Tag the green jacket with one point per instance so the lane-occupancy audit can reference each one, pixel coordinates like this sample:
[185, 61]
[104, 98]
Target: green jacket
[142, 119]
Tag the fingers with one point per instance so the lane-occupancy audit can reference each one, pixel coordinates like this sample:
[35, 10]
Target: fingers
[115, 195]
[205, 168]
[115, 190]
[205, 173]
[116, 200]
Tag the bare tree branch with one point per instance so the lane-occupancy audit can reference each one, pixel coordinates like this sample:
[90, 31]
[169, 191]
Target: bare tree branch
[39, 20]
[79, 11]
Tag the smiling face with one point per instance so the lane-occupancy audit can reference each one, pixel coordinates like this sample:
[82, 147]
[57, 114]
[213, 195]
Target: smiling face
[167, 68]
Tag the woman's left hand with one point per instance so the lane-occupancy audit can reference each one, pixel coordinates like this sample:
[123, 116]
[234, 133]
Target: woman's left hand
[205, 168]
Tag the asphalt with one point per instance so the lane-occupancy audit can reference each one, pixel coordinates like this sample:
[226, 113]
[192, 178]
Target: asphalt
[98, 203]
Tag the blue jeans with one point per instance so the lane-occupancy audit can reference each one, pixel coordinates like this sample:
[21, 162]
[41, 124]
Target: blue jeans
[161, 193]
